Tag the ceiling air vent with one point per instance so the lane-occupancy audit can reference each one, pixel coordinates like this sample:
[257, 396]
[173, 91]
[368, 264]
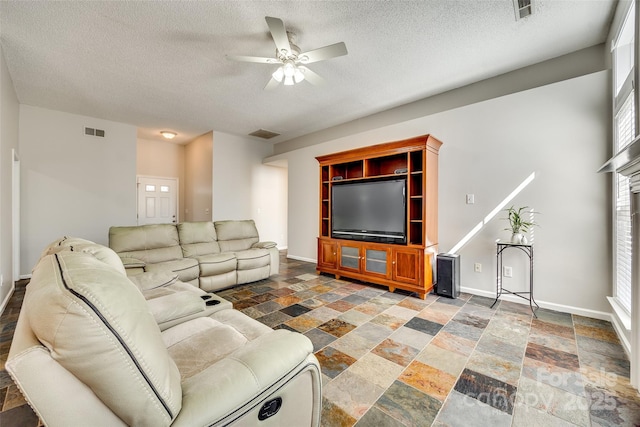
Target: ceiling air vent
[523, 8]
[94, 132]
[264, 134]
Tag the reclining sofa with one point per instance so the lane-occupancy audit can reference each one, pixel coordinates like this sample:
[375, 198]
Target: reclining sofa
[211, 255]
[88, 350]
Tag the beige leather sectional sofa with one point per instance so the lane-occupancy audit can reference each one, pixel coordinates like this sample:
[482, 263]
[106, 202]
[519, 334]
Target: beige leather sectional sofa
[211, 255]
[88, 350]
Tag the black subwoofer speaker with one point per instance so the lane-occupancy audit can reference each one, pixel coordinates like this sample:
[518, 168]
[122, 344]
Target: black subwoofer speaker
[448, 275]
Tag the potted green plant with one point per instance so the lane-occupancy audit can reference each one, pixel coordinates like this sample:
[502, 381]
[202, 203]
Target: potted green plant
[517, 224]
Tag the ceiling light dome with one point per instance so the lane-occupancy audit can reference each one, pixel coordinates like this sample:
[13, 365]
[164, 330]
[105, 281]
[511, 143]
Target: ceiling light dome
[289, 68]
[168, 134]
[278, 74]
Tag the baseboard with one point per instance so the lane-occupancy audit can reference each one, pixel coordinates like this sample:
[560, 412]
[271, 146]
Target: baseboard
[621, 322]
[619, 328]
[549, 305]
[299, 258]
[7, 298]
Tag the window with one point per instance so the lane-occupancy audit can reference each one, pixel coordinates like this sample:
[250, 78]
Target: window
[624, 133]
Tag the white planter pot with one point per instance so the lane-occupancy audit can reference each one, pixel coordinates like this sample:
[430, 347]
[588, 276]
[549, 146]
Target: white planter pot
[518, 239]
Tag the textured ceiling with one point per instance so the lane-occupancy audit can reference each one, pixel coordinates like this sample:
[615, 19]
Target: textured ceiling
[161, 64]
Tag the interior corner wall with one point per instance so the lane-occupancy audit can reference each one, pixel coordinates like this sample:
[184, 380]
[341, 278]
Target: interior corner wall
[162, 159]
[72, 184]
[560, 131]
[198, 189]
[245, 188]
[9, 113]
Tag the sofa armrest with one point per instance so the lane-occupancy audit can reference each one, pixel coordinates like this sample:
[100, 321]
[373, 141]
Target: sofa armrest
[129, 262]
[154, 279]
[274, 265]
[175, 305]
[237, 380]
[264, 245]
[57, 396]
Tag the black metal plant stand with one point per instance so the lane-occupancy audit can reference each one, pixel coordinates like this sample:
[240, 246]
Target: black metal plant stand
[528, 250]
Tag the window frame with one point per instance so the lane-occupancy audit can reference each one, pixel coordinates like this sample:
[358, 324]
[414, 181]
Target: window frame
[621, 99]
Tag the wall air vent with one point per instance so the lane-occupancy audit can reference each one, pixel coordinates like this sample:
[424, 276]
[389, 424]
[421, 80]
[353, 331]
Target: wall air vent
[94, 132]
[523, 8]
[264, 134]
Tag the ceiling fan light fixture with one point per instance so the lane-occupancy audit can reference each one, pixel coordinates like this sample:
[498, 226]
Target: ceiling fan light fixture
[278, 75]
[168, 134]
[289, 69]
[291, 61]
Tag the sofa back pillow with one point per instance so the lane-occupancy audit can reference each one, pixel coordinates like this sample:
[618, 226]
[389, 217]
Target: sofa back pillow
[198, 238]
[151, 243]
[236, 235]
[97, 325]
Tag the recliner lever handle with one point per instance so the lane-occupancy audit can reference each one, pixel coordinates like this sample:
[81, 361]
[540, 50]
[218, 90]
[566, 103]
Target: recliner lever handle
[270, 408]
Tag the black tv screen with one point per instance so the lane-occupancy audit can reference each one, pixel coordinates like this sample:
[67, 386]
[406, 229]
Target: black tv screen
[371, 211]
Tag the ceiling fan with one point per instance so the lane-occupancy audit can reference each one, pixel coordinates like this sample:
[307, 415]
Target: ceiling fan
[292, 62]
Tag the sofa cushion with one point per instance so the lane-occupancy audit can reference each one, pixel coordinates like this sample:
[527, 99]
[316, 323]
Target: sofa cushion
[253, 258]
[234, 235]
[214, 264]
[152, 243]
[198, 238]
[98, 326]
[196, 344]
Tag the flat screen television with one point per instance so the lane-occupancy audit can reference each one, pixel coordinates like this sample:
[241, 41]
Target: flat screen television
[373, 211]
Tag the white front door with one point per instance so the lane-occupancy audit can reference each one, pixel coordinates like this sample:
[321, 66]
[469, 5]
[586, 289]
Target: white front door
[157, 200]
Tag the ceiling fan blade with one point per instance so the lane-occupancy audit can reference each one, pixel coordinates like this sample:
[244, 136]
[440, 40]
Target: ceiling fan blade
[272, 84]
[258, 59]
[323, 53]
[310, 76]
[279, 34]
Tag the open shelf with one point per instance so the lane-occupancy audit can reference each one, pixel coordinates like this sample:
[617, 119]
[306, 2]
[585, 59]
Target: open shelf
[387, 165]
[351, 170]
[415, 161]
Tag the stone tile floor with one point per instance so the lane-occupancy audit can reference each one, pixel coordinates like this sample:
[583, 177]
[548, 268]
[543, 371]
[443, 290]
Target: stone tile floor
[390, 359]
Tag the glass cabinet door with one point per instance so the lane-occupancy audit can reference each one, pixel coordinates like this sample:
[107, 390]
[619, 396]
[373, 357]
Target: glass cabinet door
[376, 261]
[350, 257]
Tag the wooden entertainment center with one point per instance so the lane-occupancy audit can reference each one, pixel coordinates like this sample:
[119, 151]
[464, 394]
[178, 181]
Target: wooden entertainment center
[404, 266]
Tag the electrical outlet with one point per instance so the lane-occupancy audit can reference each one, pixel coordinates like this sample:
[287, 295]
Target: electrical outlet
[477, 267]
[507, 271]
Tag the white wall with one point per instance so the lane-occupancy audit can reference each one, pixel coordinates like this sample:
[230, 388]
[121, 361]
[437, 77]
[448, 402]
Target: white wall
[73, 184]
[9, 112]
[559, 131]
[163, 159]
[198, 177]
[244, 188]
